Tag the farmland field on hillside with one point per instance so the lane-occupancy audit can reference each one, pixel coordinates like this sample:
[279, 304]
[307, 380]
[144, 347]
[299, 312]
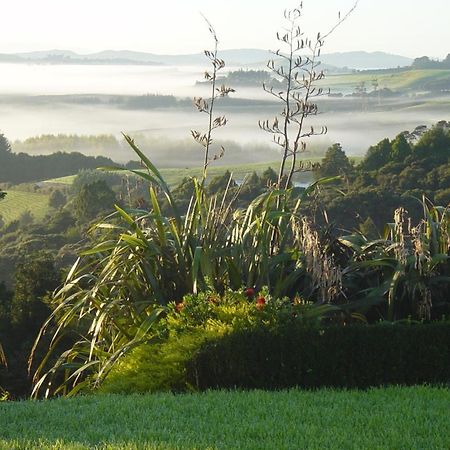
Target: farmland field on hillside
[18, 202]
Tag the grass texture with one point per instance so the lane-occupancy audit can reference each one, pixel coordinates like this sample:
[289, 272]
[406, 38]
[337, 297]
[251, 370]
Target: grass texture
[411, 79]
[390, 418]
[173, 176]
[17, 202]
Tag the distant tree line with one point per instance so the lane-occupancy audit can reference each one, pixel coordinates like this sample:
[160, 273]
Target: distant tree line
[248, 77]
[151, 101]
[164, 153]
[393, 173]
[50, 143]
[21, 167]
[424, 62]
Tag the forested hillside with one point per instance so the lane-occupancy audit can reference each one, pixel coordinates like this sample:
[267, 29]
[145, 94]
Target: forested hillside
[22, 167]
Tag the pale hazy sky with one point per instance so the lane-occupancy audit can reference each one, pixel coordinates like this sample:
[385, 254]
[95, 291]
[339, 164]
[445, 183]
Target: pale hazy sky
[408, 27]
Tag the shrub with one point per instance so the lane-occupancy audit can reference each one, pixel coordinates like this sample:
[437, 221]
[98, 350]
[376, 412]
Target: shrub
[161, 364]
[354, 356]
[157, 367]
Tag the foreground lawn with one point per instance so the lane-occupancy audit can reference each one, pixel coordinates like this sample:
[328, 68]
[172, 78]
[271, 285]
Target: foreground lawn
[392, 418]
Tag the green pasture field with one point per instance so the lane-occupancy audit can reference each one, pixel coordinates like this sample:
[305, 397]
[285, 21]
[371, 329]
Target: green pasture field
[68, 180]
[174, 176]
[411, 79]
[389, 418]
[17, 202]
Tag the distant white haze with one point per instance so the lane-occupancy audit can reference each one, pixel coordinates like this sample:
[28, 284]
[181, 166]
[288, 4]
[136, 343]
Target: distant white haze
[32, 103]
[175, 27]
[411, 28]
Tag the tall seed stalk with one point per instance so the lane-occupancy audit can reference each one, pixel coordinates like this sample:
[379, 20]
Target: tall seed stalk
[207, 105]
[300, 75]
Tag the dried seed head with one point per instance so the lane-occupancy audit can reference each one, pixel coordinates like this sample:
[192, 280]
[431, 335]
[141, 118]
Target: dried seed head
[325, 273]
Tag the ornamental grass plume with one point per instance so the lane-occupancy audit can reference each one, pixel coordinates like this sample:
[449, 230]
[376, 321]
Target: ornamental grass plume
[326, 275]
[402, 234]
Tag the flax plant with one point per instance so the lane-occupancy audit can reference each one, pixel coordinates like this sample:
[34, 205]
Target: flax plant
[326, 275]
[404, 274]
[2, 356]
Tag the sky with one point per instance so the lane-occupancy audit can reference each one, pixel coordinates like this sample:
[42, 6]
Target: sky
[407, 27]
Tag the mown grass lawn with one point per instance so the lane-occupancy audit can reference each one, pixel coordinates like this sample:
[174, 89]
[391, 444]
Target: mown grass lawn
[391, 418]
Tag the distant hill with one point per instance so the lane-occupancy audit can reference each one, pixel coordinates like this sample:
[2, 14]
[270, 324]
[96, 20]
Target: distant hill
[366, 60]
[70, 57]
[235, 57]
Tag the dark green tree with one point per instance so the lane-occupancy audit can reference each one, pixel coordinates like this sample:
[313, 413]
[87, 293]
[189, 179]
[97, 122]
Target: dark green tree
[252, 187]
[269, 177]
[22, 315]
[377, 156]
[93, 200]
[434, 145]
[60, 221]
[5, 146]
[35, 278]
[5, 158]
[26, 218]
[400, 148]
[5, 309]
[57, 199]
[424, 62]
[334, 163]
[220, 182]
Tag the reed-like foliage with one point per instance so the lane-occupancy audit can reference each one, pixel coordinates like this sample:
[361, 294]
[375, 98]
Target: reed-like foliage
[2, 355]
[407, 273]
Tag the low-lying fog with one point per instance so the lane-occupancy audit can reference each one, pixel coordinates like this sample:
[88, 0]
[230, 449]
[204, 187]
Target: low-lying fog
[23, 114]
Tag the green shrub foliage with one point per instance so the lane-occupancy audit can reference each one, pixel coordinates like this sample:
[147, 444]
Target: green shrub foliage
[354, 356]
[162, 363]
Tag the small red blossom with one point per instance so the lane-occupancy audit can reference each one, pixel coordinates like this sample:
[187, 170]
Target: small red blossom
[249, 292]
[212, 300]
[179, 307]
[260, 302]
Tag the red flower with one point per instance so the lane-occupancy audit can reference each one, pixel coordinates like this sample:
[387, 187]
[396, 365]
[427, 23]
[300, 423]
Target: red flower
[249, 292]
[212, 300]
[260, 302]
[179, 307]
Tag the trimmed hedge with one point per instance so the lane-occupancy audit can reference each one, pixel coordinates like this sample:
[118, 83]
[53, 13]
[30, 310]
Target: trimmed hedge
[354, 356]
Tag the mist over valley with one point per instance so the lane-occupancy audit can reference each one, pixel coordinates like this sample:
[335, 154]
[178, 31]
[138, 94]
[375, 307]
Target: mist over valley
[156, 102]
